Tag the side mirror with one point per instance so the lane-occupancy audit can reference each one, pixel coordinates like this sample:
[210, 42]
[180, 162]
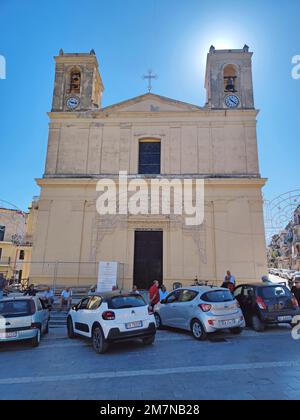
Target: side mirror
[74, 308]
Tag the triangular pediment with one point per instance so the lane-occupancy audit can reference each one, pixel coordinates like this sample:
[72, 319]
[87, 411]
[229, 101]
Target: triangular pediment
[151, 103]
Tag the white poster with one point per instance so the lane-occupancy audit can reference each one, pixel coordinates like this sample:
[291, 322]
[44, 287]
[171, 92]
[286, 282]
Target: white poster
[107, 276]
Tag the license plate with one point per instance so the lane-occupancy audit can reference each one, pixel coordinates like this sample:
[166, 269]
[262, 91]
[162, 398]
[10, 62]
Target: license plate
[284, 318]
[228, 323]
[131, 325]
[8, 335]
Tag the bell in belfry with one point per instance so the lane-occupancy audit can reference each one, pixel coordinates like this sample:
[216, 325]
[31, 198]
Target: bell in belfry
[230, 84]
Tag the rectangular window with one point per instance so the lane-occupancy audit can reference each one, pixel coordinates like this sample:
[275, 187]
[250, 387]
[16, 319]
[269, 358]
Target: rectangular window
[22, 254]
[149, 157]
[2, 233]
[0, 253]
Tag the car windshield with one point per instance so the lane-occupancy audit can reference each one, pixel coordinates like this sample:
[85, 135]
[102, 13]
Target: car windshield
[123, 302]
[16, 308]
[218, 296]
[274, 291]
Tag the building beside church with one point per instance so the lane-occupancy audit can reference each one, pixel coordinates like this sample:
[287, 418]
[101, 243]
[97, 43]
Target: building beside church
[151, 136]
[15, 245]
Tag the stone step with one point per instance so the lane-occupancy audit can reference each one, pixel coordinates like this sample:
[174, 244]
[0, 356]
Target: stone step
[58, 319]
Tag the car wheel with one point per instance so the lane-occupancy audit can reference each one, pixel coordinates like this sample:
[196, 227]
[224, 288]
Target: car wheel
[148, 341]
[257, 325]
[35, 342]
[236, 331]
[100, 345]
[198, 330]
[70, 328]
[158, 321]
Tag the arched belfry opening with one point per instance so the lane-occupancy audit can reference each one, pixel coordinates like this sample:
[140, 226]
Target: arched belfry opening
[75, 80]
[230, 78]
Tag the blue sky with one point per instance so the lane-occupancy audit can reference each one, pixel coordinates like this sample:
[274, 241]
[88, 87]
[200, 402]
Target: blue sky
[170, 36]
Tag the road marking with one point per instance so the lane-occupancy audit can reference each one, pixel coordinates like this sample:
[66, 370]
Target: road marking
[152, 372]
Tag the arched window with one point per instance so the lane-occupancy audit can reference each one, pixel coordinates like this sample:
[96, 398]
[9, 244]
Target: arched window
[75, 81]
[230, 78]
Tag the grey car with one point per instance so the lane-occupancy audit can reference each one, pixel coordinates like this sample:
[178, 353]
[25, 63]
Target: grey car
[23, 318]
[201, 310]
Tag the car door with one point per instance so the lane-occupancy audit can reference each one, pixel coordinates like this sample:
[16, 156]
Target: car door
[167, 310]
[45, 314]
[238, 294]
[80, 317]
[249, 300]
[41, 314]
[185, 308]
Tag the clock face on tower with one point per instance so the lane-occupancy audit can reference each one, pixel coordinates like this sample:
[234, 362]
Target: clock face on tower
[232, 101]
[72, 102]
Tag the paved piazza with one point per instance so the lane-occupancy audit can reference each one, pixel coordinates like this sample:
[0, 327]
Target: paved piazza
[251, 366]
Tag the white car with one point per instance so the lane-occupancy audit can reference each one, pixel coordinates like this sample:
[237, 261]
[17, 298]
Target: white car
[110, 317]
[23, 318]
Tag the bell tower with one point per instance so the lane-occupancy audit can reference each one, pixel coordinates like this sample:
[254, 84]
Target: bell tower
[228, 80]
[78, 85]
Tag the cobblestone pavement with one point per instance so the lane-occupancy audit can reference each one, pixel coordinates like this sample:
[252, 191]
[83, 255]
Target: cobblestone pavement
[250, 366]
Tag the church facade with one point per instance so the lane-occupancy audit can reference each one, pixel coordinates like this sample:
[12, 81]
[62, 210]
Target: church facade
[151, 137]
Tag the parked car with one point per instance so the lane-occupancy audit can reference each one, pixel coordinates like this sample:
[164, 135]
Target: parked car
[111, 317]
[23, 318]
[296, 274]
[264, 304]
[201, 310]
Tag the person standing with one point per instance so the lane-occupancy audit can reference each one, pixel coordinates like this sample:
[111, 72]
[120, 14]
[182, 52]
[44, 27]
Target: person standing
[296, 289]
[154, 294]
[3, 285]
[163, 293]
[229, 278]
[228, 282]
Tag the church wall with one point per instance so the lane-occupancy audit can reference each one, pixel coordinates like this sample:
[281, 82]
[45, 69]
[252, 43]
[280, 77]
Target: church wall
[200, 145]
[70, 230]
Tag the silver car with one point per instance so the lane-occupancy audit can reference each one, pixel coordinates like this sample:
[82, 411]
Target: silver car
[201, 310]
[23, 318]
